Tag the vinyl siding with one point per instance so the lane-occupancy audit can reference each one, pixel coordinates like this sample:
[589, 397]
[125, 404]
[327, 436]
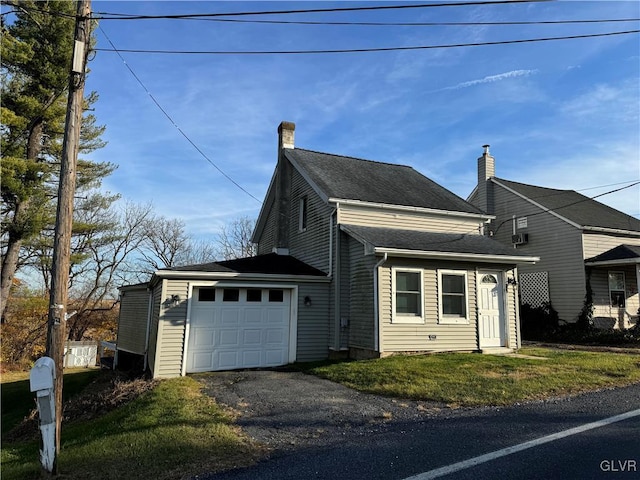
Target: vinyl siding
[618, 318]
[312, 245]
[398, 337]
[132, 321]
[513, 317]
[171, 330]
[557, 243]
[153, 327]
[596, 243]
[375, 217]
[360, 312]
[267, 240]
[313, 322]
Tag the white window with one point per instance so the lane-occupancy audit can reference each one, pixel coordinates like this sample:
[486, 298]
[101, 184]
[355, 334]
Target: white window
[616, 289]
[407, 296]
[453, 304]
[302, 216]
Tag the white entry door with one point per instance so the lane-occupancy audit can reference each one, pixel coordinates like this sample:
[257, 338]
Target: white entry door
[233, 328]
[491, 310]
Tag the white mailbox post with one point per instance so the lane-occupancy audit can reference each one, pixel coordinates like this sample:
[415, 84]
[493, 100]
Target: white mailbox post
[41, 381]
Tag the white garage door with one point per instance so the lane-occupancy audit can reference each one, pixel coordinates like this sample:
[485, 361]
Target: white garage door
[238, 328]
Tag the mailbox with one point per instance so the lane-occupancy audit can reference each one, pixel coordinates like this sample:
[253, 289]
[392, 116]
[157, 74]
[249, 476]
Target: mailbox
[41, 381]
[42, 375]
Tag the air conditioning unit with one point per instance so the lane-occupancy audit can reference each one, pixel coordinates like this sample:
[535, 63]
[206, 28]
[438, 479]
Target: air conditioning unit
[520, 239]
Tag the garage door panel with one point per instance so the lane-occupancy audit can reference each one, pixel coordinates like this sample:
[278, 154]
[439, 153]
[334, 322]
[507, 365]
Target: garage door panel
[238, 334]
[252, 337]
[228, 338]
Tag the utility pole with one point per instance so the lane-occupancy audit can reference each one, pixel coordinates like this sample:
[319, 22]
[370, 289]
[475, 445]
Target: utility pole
[57, 326]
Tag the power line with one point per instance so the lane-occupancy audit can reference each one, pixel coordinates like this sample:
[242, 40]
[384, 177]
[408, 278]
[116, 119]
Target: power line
[110, 16]
[415, 24]
[362, 50]
[166, 114]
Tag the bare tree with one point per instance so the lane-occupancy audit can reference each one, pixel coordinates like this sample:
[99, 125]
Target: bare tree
[234, 240]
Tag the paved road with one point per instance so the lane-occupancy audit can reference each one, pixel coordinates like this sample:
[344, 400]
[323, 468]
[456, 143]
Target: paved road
[397, 440]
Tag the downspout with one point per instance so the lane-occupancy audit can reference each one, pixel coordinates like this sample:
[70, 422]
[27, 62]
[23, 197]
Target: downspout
[376, 308]
[146, 336]
[331, 241]
[337, 298]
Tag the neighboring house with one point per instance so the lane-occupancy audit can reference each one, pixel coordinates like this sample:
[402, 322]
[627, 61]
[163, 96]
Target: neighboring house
[581, 244]
[355, 258]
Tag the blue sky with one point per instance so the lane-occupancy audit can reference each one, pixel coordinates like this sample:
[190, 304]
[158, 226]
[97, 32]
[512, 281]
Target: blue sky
[560, 114]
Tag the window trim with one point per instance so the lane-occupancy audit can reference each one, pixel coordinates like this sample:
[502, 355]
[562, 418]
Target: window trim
[450, 319]
[400, 318]
[624, 288]
[303, 214]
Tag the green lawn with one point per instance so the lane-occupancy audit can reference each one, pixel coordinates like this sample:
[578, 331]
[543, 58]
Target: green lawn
[462, 379]
[175, 431]
[18, 401]
[172, 431]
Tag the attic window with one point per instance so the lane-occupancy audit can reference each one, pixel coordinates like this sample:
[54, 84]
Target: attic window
[302, 218]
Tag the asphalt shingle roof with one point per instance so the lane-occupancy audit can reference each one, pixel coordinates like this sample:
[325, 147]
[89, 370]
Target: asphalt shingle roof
[431, 241]
[368, 181]
[268, 263]
[573, 206]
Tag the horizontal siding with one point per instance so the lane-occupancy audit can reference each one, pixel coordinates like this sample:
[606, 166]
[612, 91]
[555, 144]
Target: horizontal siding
[267, 240]
[557, 243]
[132, 321]
[313, 323]
[596, 243]
[153, 328]
[513, 317]
[360, 297]
[398, 337]
[171, 330]
[372, 217]
[619, 318]
[312, 245]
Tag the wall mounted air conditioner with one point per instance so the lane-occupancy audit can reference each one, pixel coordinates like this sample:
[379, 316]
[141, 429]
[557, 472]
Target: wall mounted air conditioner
[520, 239]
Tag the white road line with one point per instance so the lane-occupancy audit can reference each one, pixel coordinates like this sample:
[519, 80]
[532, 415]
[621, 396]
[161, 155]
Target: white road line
[455, 467]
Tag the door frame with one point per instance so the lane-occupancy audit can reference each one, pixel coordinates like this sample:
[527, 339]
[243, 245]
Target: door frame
[502, 308]
[293, 312]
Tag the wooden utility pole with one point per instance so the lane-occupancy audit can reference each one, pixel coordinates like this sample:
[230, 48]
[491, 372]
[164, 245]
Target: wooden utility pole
[57, 328]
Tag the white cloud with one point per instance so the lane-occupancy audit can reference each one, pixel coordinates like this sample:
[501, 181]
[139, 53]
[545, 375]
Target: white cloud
[493, 78]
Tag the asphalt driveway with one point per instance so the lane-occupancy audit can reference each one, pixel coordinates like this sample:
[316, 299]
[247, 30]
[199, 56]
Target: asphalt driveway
[290, 410]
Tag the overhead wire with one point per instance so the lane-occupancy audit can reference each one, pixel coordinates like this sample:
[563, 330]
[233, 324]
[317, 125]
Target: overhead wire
[166, 114]
[363, 50]
[107, 16]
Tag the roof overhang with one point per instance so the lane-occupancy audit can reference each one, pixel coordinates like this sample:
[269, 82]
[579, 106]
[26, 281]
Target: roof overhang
[194, 275]
[633, 233]
[473, 257]
[405, 208]
[613, 263]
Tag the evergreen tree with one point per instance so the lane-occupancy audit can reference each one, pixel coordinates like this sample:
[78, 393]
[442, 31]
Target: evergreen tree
[37, 40]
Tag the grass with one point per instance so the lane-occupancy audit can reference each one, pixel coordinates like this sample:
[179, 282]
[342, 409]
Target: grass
[172, 431]
[18, 401]
[460, 379]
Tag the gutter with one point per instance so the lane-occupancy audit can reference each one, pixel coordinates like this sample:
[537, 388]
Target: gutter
[190, 275]
[476, 257]
[406, 208]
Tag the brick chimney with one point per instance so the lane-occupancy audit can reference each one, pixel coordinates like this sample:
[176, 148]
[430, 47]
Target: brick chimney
[486, 170]
[283, 188]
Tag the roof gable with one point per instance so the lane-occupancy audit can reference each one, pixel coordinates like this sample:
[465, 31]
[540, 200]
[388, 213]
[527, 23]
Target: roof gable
[348, 178]
[573, 206]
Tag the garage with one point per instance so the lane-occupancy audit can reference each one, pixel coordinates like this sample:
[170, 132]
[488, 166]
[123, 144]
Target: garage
[235, 327]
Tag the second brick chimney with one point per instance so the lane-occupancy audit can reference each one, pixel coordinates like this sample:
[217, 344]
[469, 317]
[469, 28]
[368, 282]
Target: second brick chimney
[486, 170]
